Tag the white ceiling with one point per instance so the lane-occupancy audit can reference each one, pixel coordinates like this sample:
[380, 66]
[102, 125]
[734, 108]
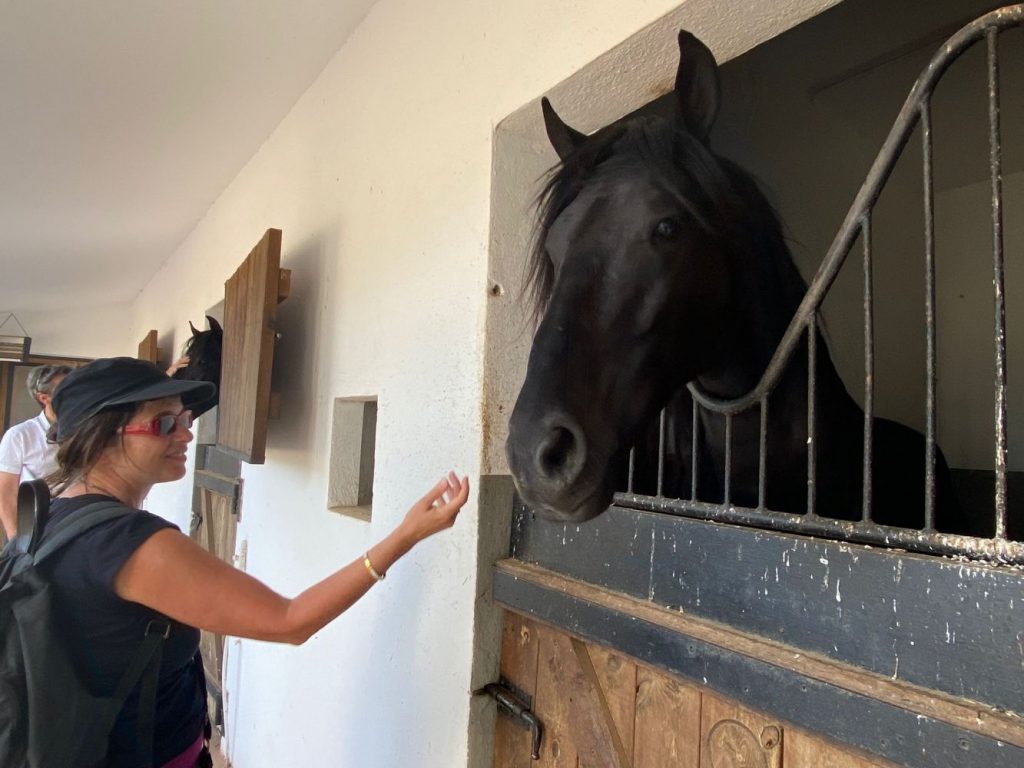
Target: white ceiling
[122, 120]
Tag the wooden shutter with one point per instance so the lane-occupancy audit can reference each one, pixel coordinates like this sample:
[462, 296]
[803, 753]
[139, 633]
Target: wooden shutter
[251, 296]
[148, 349]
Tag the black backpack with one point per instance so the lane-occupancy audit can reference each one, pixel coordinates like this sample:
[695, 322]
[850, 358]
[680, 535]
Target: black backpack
[48, 718]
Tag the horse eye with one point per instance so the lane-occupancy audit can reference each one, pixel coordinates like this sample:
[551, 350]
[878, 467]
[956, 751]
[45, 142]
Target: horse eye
[666, 229]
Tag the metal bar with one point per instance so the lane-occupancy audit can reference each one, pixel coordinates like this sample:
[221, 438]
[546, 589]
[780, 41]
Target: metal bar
[812, 377]
[858, 221]
[694, 451]
[632, 469]
[995, 161]
[727, 496]
[929, 313]
[869, 369]
[881, 169]
[927, 542]
[661, 452]
[762, 454]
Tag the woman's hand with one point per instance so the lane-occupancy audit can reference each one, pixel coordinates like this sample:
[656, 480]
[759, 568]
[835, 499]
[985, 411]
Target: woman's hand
[437, 510]
[177, 365]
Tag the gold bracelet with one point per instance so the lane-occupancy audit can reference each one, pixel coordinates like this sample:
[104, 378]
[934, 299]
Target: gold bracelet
[372, 571]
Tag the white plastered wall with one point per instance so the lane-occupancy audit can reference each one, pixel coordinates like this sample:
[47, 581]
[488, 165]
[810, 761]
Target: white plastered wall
[381, 181]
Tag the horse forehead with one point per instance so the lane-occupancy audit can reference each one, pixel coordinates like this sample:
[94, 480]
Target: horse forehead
[612, 206]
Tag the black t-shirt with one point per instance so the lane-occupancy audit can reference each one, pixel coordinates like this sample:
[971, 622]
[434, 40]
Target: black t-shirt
[104, 632]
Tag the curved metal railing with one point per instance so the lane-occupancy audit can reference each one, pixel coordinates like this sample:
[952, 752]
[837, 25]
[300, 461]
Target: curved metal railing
[915, 111]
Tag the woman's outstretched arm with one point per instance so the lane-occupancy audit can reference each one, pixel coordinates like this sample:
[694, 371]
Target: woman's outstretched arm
[173, 575]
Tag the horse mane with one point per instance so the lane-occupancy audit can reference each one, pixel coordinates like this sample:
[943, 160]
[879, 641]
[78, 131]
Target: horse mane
[562, 183]
[724, 199]
[764, 236]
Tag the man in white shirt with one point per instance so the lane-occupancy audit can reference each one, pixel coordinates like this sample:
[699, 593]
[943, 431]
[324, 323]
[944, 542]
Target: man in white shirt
[25, 453]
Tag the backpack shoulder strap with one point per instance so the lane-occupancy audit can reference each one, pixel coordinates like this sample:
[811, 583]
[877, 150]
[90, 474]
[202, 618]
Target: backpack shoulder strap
[78, 523]
[33, 511]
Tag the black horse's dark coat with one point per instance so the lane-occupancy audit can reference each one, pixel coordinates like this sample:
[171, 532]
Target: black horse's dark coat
[203, 350]
[658, 263]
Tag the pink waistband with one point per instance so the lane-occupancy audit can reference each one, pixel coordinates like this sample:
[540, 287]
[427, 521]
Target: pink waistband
[186, 759]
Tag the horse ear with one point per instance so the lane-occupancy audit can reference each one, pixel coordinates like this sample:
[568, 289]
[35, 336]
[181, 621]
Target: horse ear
[193, 328]
[214, 325]
[697, 86]
[564, 139]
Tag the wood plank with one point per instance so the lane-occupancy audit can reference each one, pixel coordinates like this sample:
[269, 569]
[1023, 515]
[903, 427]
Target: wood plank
[148, 349]
[552, 704]
[216, 533]
[250, 307]
[6, 378]
[957, 712]
[735, 737]
[616, 674]
[802, 750]
[519, 654]
[598, 742]
[284, 285]
[667, 727]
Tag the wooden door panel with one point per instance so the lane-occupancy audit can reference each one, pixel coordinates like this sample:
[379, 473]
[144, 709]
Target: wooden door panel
[519, 655]
[667, 723]
[214, 529]
[616, 676]
[602, 709]
[599, 743]
[731, 735]
[551, 705]
[802, 750]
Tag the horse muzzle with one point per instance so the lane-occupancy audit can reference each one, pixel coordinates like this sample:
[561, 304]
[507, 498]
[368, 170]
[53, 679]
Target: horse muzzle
[549, 461]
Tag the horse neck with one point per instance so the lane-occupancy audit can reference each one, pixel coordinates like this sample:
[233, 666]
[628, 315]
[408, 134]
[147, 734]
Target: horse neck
[764, 308]
[765, 299]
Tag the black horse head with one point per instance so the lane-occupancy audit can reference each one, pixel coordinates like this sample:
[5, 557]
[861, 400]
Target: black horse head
[651, 258]
[203, 350]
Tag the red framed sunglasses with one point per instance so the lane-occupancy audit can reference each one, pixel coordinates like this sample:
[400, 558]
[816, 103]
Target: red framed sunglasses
[161, 426]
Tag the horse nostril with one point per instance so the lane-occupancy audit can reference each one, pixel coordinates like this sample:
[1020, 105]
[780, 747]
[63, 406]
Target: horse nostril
[560, 454]
[556, 450]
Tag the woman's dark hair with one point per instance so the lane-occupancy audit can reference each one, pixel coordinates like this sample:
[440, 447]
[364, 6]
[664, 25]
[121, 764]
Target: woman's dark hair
[78, 452]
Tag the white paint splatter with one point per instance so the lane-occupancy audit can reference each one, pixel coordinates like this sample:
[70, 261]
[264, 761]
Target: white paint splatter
[650, 573]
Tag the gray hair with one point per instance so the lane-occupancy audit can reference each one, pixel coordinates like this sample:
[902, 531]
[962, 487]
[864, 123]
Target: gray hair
[40, 380]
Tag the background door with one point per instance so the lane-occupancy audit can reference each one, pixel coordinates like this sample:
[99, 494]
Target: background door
[215, 510]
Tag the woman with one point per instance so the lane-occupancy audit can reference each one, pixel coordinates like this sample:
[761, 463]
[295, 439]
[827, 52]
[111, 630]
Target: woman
[122, 426]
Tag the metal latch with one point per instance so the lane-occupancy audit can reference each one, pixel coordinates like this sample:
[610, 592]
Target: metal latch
[518, 710]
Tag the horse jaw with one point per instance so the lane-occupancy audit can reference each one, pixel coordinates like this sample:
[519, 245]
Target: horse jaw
[588, 510]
